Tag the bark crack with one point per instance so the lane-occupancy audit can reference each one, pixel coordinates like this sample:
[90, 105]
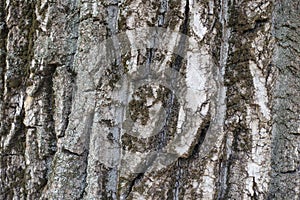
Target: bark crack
[224, 46]
[67, 151]
[88, 131]
[133, 183]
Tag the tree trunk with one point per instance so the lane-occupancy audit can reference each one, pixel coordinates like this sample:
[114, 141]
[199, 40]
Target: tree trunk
[150, 99]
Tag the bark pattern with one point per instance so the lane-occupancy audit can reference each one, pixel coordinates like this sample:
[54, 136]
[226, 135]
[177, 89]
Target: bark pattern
[62, 95]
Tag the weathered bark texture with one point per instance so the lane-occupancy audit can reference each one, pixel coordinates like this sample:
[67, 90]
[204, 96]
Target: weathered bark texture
[235, 130]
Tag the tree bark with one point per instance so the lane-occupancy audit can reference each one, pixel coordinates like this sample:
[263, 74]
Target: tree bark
[150, 99]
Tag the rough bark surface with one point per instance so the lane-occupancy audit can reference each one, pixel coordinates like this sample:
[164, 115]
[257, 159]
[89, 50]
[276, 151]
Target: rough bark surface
[235, 130]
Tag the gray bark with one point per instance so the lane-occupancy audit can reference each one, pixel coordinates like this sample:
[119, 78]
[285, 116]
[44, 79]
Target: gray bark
[217, 119]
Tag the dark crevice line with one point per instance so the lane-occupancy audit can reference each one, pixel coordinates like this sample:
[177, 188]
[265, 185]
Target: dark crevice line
[225, 190]
[31, 41]
[178, 178]
[84, 182]
[186, 19]
[289, 172]
[9, 154]
[182, 46]
[17, 142]
[48, 97]
[3, 36]
[73, 42]
[116, 71]
[87, 131]
[3, 67]
[225, 160]
[170, 106]
[133, 183]
[254, 188]
[203, 131]
[177, 66]
[139, 176]
[48, 126]
[163, 10]
[67, 151]
[149, 60]
[162, 142]
[223, 167]
[259, 23]
[48, 76]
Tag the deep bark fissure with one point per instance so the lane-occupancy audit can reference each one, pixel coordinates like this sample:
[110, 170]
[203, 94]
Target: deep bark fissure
[133, 183]
[178, 62]
[203, 131]
[178, 178]
[67, 151]
[72, 41]
[3, 36]
[181, 176]
[224, 163]
[49, 140]
[182, 46]
[88, 131]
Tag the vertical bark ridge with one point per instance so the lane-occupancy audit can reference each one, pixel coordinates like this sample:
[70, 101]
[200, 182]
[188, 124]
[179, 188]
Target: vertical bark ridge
[18, 22]
[247, 114]
[285, 179]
